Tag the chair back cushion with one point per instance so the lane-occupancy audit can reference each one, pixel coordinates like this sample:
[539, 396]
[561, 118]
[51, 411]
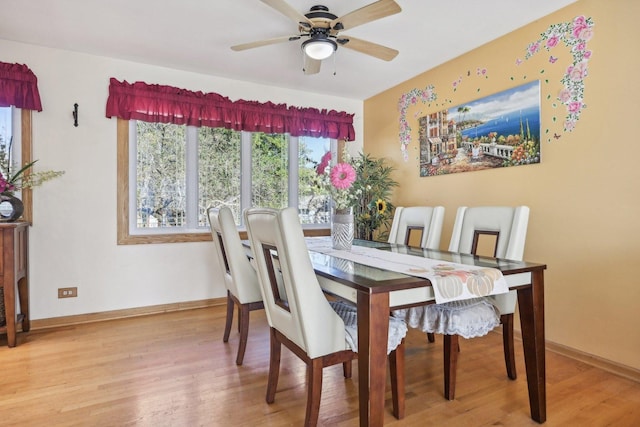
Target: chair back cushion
[426, 218]
[239, 275]
[305, 317]
[509, 224]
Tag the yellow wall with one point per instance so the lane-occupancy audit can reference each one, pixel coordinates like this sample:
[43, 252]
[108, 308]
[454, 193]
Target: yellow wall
[584, 195]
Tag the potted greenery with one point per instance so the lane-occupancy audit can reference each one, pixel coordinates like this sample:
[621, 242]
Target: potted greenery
[11, 207]
[372, 188]
[368, 195]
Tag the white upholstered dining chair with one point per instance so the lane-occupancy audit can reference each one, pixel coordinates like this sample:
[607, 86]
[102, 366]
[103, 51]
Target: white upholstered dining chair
[508, 226]
[318, 332]
[240, 278]
[426, 220]
[503, 229]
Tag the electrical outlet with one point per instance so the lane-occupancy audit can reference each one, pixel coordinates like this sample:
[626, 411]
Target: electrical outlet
[67, 292]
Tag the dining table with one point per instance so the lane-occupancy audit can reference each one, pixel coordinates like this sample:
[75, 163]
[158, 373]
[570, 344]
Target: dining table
[377, 291]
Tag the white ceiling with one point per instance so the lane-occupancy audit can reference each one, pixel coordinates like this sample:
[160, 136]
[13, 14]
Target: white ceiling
[196, 35]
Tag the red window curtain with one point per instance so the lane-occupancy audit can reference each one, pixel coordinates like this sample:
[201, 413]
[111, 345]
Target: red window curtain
[19, 87]
[166, 104]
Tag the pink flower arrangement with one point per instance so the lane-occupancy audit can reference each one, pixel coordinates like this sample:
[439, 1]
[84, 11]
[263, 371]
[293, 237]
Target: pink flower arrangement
[342, 176]
[5, 186]
[11, 181]
[324, 162]
[339, 179]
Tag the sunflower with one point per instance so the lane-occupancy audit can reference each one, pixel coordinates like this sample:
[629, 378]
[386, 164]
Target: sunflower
[381, 205]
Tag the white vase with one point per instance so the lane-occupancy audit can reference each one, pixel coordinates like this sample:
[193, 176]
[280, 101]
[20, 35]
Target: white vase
[342, 229]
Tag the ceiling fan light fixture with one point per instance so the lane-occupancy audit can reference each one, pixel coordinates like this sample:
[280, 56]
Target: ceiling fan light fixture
[319, 48]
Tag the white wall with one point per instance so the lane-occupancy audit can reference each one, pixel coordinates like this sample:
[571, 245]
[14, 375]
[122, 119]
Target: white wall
[73, 238]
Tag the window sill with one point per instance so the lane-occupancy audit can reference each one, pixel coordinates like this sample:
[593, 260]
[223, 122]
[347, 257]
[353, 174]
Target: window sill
[128, 239]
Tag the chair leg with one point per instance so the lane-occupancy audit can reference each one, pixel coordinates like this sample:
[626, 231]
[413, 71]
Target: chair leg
[274, 366]
[227, 325]
[244, 332]
[451, 349]
[396, 365]
[507, 342]
[431, 337]
[314, 391]
[347, 369]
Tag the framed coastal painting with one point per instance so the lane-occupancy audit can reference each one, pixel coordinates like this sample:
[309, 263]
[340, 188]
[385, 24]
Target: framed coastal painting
[496, 131]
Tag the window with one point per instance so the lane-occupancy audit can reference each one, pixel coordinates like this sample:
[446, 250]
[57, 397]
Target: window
[5, 127]
[15, 127]
[176, 172]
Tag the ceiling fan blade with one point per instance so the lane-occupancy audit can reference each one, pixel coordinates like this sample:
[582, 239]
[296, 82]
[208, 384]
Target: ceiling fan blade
[371, 12]
[266, 42]
[368, 48]
[311, 66]
[288, 11]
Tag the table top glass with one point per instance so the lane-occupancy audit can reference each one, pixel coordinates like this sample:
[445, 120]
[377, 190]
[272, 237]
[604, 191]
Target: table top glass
[373, 279]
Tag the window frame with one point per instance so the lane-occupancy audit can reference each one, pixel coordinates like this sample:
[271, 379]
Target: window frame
[26, 156]
[124, 237]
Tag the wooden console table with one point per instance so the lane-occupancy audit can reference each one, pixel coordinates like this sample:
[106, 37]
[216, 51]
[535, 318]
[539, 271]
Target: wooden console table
[14, 241]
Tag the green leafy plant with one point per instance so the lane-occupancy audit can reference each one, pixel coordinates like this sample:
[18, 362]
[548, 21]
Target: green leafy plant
[338, 179]
[369, 193]
[372, 192]
[11, 181]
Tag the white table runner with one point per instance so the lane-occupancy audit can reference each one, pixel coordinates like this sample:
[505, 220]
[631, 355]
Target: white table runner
[451, 281]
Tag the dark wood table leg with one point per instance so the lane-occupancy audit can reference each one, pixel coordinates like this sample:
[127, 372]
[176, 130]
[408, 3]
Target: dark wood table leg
[531, 307]
[373, 330]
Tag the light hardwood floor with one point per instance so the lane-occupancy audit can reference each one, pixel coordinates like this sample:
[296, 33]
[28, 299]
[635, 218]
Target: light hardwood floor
[173, 369]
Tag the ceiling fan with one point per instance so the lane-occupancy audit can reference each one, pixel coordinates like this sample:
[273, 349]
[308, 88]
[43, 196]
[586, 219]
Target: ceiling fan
[322, 28]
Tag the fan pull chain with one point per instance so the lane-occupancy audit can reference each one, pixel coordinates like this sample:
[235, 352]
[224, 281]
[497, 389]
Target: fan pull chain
[334, 62]
[303, 69]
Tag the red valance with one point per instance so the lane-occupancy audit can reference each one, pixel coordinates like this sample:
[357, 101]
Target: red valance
[19, 87]
[167, 104]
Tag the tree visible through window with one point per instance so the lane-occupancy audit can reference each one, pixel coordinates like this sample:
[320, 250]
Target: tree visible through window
[219, 171]
[161, 168]
[269, 170]
[180, 171]
[5, 127]
[314, 202]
